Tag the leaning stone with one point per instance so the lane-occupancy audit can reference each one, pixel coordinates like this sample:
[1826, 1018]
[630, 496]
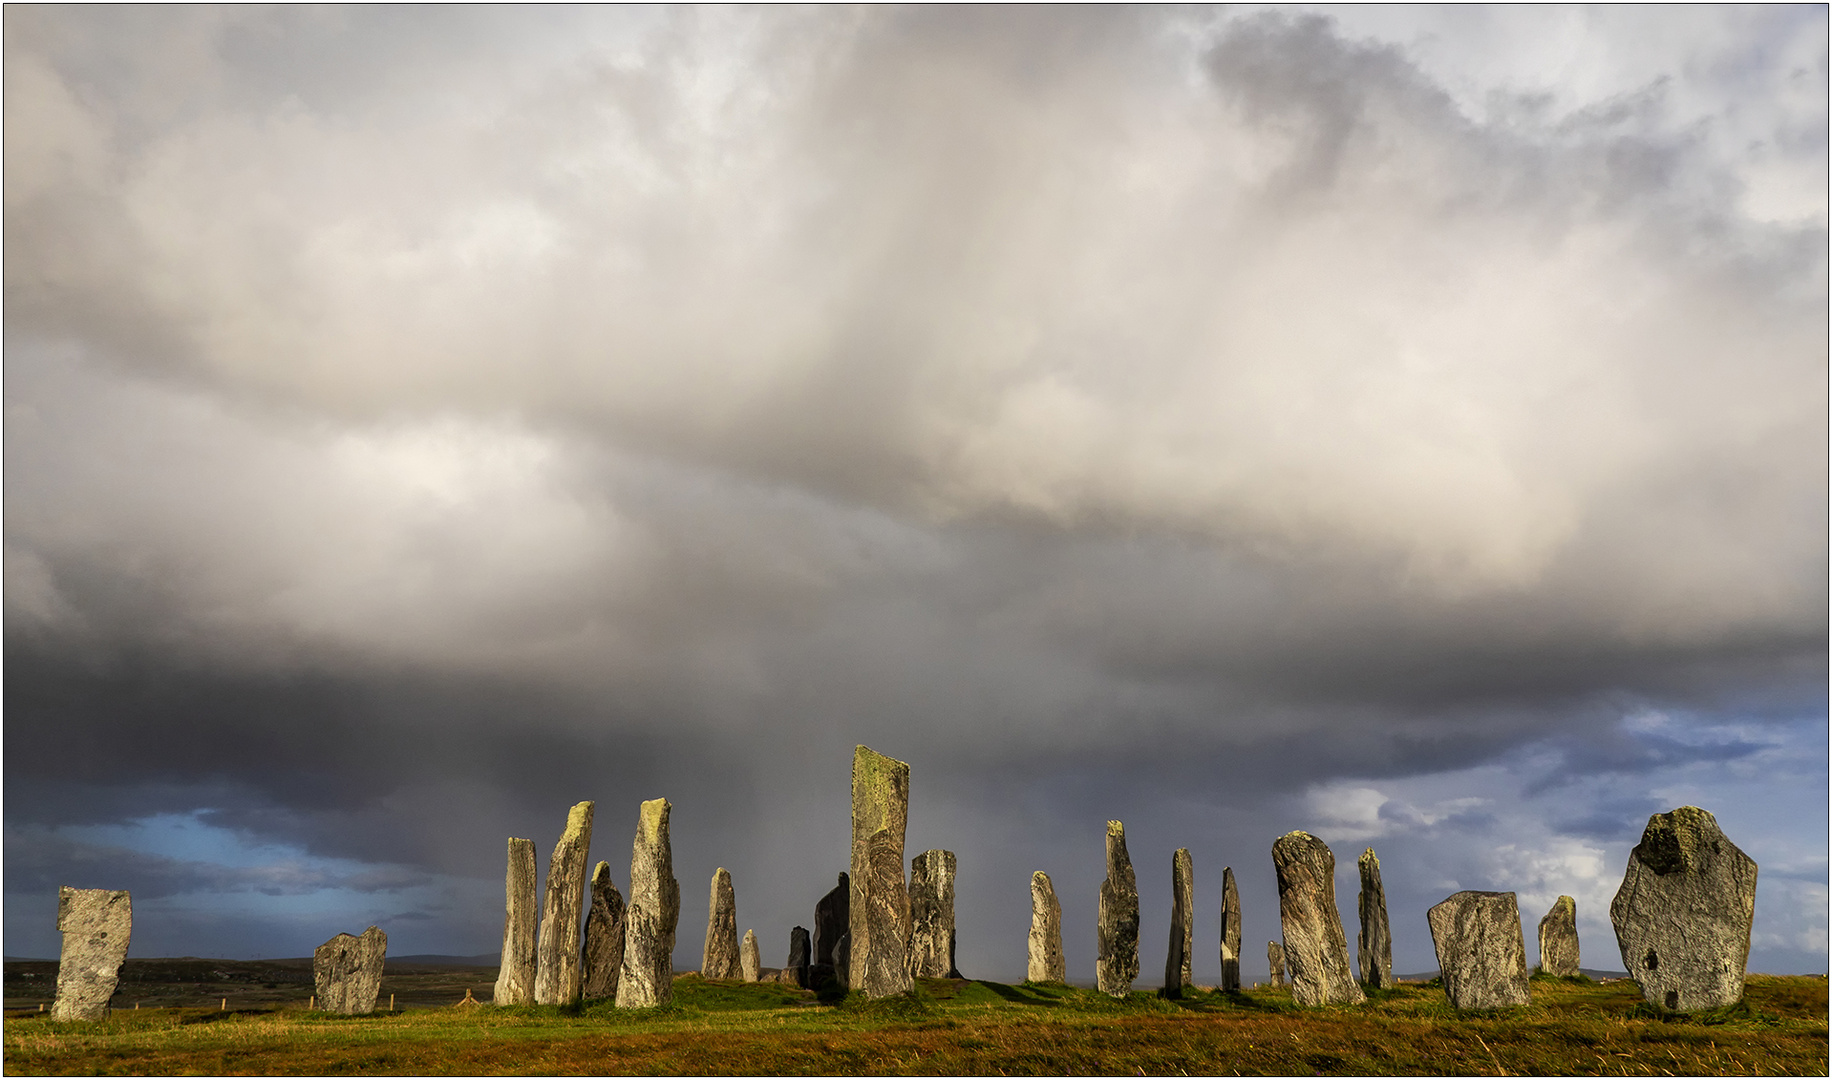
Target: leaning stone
[1315, 947]
[1374, 944]
[653, 915]
[720, 960]
[348, 972]
[96, 924]
[1182, 924]
[1481, 953]
[1117, 932]
[515, 979]
[878, 963]
[832, 919]
[1046, 962]
[1558, 939]
[1230, 931]
[932, 916]
[1275, 962]
[557, 979]
[750, 960]
[798, 957]
[1683, 913]
[603, 960]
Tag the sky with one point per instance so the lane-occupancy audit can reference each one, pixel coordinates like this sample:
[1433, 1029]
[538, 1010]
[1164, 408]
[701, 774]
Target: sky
[1405, 425]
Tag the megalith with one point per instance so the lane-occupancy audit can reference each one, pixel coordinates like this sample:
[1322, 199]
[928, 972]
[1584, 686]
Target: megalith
[557, 980]
[653, 914]
[1230, 931]
[1481, 953]
[515, 978]
[1046, 963]
[798, 956]
[603, 960]
[1275, 962]
[750, 960]
[1316, 949]
[96, 924]
[1374, 944]
[1117, 931]
[832, 919]
[347, 971]
[1182, 924]
[1683, 913]
[720, 958]
[1558, 938]
[878, 960]
[932, 915]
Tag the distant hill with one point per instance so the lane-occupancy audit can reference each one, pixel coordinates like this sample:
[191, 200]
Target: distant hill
[1595, 973]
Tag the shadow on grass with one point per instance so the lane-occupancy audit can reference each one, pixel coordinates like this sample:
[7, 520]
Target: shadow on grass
[1024, 993]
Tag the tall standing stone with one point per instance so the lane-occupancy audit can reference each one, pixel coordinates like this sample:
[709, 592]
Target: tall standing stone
[750, 960]
[798, 956]
[1481, 953]
[603, 960]
[557, 979]
[1558, 939]
[1046, 962]
[879, 910]
[932, 915]
[653, 915]
[1374, 944]
[1182, 924]
[96, 924]
[347, 972]
[1230, 931]
[1275, 963]
[832, 920]
[1683, 913]
[515, 979]
[1117, 932]
[1315, 947]
[720, 960]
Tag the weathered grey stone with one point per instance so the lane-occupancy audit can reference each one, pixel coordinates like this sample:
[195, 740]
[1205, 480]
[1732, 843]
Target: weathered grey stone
[842, 961]
[1117, 931]
[1374, 944]
[515, 978]
[1230, 931]
[750, 960]
[832, 920]
[1481, 953]
[1683, 913]
[96, 924]
[603, 960]
[720, 959]
[1275, 962]
[1315, 947]
[1558, 938]
[932, 915]
[1182, 924]
[798, 956]
[557, 979]
[653, 915]
[348, 971]
[1046, 962]
[878, 962]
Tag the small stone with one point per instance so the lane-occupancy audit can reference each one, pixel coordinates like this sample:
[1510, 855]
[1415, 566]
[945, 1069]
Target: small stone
[653, 915]
[798, 957]
[1374, 944]
[1315, 947]
[932, 915]
[1117, 932]
[878, 962]
[1182, 924]
[557, 979]
[832, 919]
[1482, 955]
[1558, 938]
[96, 924]
[603, 960]
[1046, 962]
[842, 961]
[1683, 913]
[720, 959]
[1275, 962]
[348, 972]
[750, 960]
[1230, 931]
[515, 979]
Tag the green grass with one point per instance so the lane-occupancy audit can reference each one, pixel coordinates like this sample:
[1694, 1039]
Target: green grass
[1574, 1026]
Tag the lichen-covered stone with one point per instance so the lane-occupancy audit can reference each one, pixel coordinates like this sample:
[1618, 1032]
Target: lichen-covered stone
[1316, 949]
[557, 979]
[1230, 931]
[1558, 938]
[1046, 963]
[347, 972]
[1683, 913]
[1182, 924]
[750, 959]
[878, 962]
[96, 925]
[1481, 953]
[832, 920]
[602, 963]
[653, 915]
[798, 957]
[1374, 944]
[515, 978]
[1275, 963]
[720, 959]
[932, 915]
[1117, 930]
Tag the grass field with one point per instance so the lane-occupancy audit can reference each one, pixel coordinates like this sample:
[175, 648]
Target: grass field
[960, 1027]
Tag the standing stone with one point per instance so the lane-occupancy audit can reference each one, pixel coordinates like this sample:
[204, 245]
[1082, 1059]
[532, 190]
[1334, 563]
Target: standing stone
[1481, 953]
[798, 956]
[932, 916]
[1046, 962]
[720, 959]
[557, 979]
[832, 918]
[1315, 946]
[653, 915]
[878, 961]
[348, 972]
[750, 961]
[1230, 931]
[1374, 944]
[1182, 924]
[603, 961]
[842, 961]
[515, 979]
[96, 924]
[1683, 913]
[1275, 962]
[1117, 932]
[1558, 939]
